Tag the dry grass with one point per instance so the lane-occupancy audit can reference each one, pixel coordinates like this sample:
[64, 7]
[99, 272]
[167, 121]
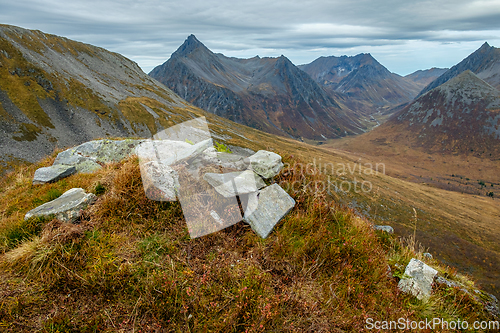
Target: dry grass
[129, 265]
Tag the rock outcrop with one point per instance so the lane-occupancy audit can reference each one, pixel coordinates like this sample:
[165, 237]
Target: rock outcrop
[89, 156]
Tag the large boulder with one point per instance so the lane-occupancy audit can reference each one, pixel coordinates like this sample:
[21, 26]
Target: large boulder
[52, 173]
[418, 279]
[265, 208]
[89, 156]
[67, 208]
[266, 163]
[232, 184]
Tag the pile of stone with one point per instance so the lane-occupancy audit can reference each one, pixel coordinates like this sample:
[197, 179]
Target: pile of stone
[263, 206]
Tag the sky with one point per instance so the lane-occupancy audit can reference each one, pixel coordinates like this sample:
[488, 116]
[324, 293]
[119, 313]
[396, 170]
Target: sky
[404, 36]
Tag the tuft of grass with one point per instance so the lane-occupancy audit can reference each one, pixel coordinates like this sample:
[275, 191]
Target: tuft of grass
[222, 148]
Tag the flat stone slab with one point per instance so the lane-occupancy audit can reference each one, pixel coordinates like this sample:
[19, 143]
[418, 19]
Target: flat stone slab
[266, 164]
[89, 156]
[53, 173]
[265, 208]
[386, 228]
[419, 283]
[160, 182]
[232, 184]
[233, 161]
[67, 207]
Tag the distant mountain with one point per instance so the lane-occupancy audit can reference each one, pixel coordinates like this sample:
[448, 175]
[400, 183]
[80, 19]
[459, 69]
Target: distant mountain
[461, 116]
[484, 62]
[423, 77]
[55, 92]
[270, 94]
[362, 78]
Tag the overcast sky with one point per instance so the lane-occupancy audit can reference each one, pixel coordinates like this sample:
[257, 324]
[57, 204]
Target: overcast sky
[403, 35]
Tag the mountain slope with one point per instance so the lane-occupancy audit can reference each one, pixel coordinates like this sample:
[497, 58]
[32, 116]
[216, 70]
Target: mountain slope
[423, 77]
[484, 62]
[58, 92]
[270, 94]
[363, 78]
[461, 116]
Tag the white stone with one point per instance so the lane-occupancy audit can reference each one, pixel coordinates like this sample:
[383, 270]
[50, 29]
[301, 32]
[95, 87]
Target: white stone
[419, 282]
[232, 184]
[265, 208]
[266, 163]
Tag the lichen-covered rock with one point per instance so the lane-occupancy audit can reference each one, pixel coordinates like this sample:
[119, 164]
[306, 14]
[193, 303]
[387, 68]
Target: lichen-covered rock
[89, 156]
[67, 208]
[266, 163]
[265, 208]
[232, 184]
[419, 280]
[53, 173]
[386, 228]
[160, 181]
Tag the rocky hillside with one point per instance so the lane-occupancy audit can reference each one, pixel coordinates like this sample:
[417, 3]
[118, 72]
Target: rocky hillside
[55, 92]
[484, 62]
[270, 94]
[361, 78]
[460, 116]
[423, 77]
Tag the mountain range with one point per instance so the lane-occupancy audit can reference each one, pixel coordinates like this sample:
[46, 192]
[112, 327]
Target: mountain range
[269, 94]
[361, 77]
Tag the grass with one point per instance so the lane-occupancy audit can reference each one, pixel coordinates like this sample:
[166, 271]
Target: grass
[129, 265]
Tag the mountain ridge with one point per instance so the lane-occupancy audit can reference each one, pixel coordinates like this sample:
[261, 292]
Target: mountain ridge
[485, 62]
[270, 94]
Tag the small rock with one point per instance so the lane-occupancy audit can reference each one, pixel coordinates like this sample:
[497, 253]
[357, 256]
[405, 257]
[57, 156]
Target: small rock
[235, 183]
[427, 255]
[160, 182]
[386, 228]
[53, 173]
[420, 282]
[266, 164]
[67, 207]
[265, 208]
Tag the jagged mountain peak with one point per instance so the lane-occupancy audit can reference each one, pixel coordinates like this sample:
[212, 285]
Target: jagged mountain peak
[190, 44]
[485, 46]
[484, 62]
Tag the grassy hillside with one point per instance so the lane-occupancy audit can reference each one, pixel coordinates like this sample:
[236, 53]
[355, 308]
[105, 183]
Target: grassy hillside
[128, 264]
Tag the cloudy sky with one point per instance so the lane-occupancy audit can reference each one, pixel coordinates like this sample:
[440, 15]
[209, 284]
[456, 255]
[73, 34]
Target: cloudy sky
[403, 35]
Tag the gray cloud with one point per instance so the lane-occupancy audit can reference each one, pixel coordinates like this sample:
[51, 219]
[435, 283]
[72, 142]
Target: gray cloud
[404, 36]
